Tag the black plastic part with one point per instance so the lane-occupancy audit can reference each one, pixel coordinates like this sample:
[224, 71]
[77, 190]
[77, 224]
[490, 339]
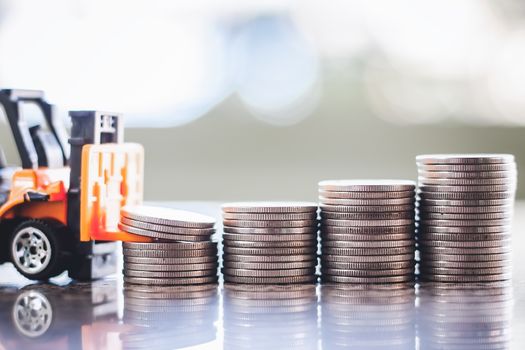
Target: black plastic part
[91, 259]
[47, 148]
[37, 196]
[10, 100]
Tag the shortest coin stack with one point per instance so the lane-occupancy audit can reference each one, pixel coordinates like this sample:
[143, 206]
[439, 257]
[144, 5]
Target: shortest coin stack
[182, 252]
[367, 231]
[465, 208]
[270, 242]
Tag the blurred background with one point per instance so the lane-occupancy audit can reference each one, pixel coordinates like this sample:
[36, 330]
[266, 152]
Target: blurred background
[254, 100]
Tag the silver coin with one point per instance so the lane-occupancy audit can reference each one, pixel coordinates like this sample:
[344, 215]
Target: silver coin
[367, 258]
[268, 273]
[465, 251]
[269, 258]
[369, 244]
[275, 223]
[267, 291]
[360, 202]
[367, 273]
[463, 223]
[465, 279]
[468, 167]
[453, 257]
[270, 280]
[267, 244]
[144, 253]
[452, 204]
[269, 238]
[167, 229]
[408, 264]
[167, 216]
[271, 230]
[160, 235]
[423, 181]
[367, 223]
[270, 266]
[367, 185]
[183, 290]
[464, 271]
[378, 280]
[463, 159]
[466, 196]
[464, 229]
[170, 281]
[395, 215]
[169, 245]
[270, 207]
[367, 251]
[170, 274]
[380, 230]
[171, 267]
[325, 237]
[466, 237]
[169, 297]
[465, 264]
[467, 188]
[464, 209]
[366, 195]
[366, 209]
[465, 216]
[270, 217]
[463, 244]
[270, 251]
[467, 174]
[171, 261]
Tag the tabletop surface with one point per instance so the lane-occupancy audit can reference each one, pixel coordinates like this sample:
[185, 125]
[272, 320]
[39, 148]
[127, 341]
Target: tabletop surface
[100, 315]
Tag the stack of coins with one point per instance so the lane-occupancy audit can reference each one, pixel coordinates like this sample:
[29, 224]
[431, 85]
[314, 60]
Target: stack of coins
[169, 317]
[266, 317]
[181, 253]
[270, 242]
[367, 231]
[473, 316]
[465, 206]
[368, 318]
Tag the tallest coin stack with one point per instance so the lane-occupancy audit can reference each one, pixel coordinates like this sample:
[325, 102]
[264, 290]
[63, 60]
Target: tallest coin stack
[465, 206]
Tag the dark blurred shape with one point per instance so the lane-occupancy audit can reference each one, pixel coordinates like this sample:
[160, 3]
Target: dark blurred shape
[270, 317]
[368, 317]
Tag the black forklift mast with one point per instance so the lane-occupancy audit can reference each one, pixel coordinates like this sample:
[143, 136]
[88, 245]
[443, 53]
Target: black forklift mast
[34, 147]
[91, 260]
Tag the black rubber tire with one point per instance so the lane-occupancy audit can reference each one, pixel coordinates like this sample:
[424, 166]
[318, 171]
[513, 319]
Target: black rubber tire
[56, 263]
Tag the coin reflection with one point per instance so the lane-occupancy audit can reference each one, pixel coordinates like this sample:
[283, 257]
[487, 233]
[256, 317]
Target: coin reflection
[262, 317]
[474, 316]
[169, 317]
[58, 317]
[368, 317]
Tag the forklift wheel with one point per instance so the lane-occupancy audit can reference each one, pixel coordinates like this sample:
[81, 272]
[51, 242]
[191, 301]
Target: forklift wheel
[36, 250]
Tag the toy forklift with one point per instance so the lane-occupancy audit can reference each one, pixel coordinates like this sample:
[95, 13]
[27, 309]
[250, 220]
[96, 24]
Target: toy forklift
[60, 210]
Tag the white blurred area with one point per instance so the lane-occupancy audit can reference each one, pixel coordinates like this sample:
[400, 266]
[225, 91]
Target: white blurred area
[167, 63]
[259, 100]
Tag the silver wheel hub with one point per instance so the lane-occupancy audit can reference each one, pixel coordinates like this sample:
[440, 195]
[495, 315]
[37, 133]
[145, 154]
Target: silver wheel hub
[31, 250]
[32, 314]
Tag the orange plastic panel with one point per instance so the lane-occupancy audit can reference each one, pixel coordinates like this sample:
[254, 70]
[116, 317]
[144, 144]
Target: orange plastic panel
[112, 176]
[49, 181]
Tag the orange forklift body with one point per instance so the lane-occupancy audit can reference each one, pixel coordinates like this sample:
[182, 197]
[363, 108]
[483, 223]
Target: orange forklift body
[112, 176]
